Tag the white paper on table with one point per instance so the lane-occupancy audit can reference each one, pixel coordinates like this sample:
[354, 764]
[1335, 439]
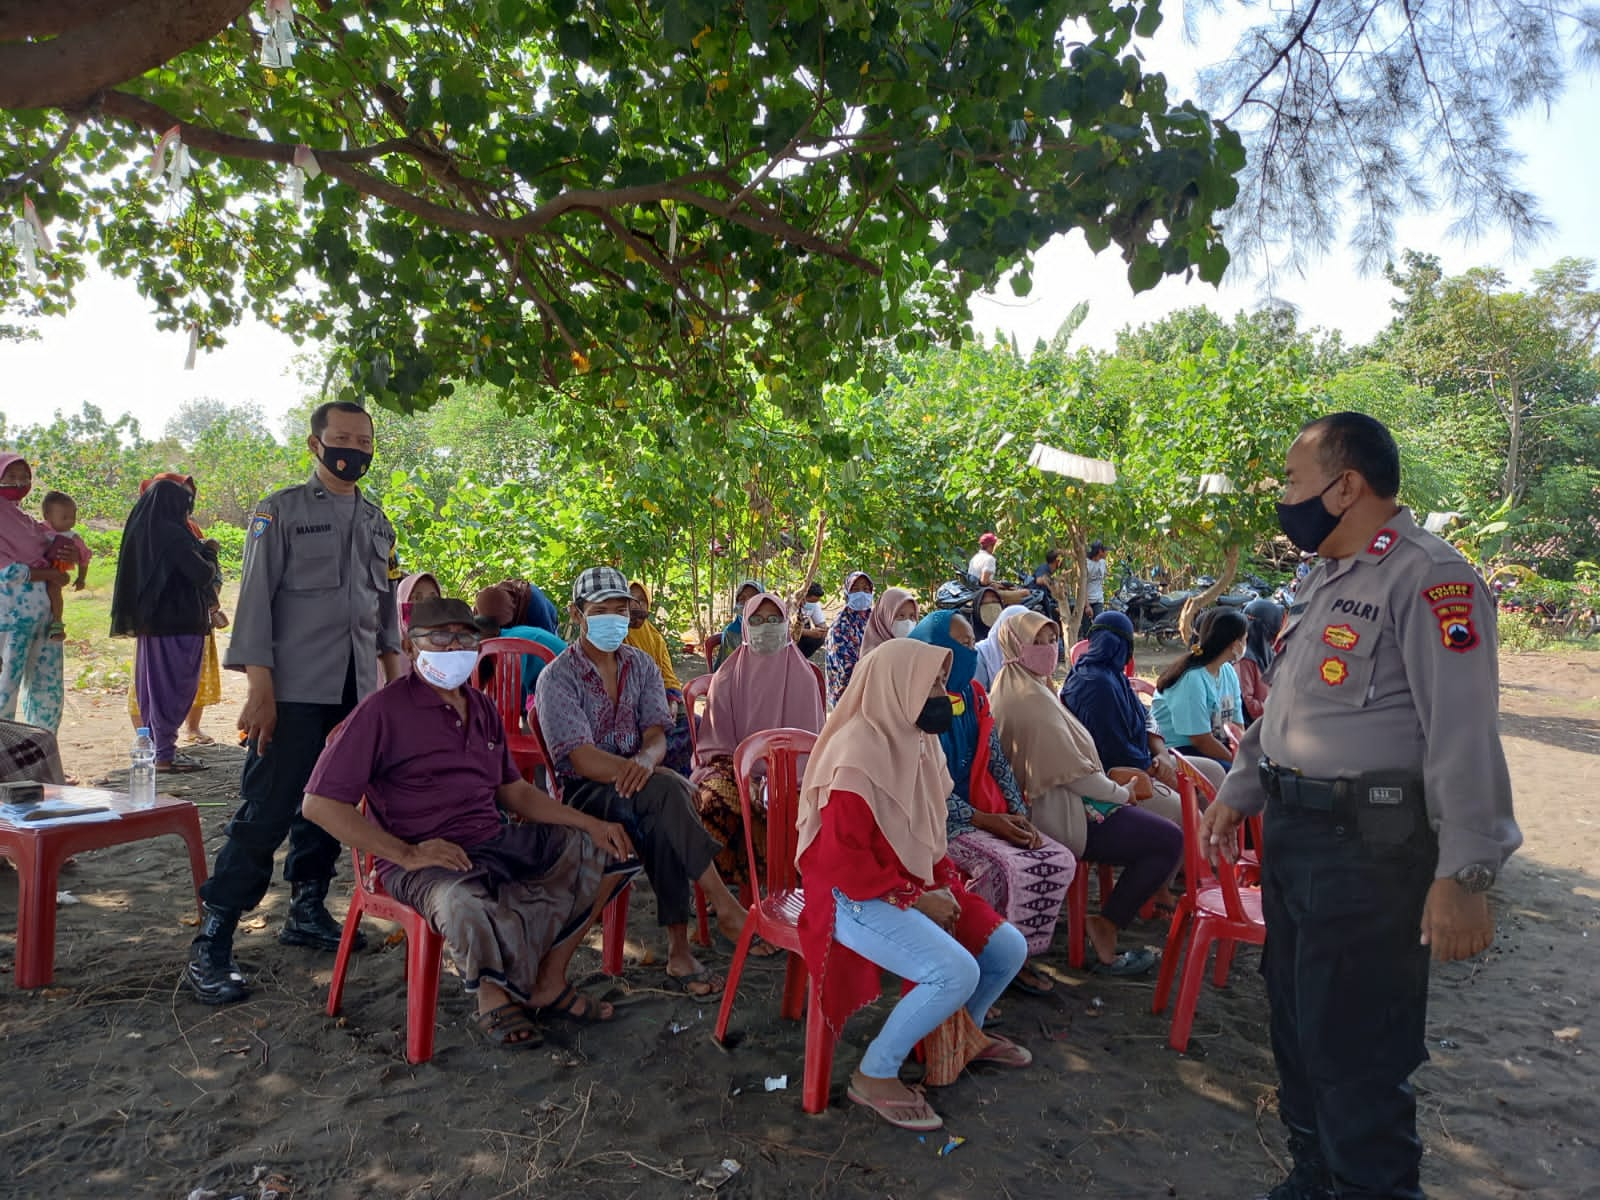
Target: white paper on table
[15, 816]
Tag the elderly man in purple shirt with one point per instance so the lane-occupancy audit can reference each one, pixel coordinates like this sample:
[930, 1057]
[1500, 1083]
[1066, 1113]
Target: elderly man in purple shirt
[512, 902]
[603, 710]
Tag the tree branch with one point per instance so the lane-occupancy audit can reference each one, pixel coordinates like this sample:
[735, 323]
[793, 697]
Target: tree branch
[31, 19]
[122, 45]
[10, 187]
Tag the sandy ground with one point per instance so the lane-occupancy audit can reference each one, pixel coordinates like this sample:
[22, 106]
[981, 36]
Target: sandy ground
[117, 1084]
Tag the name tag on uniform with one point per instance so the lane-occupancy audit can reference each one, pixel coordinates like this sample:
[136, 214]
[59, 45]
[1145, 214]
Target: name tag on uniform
[1388, 797]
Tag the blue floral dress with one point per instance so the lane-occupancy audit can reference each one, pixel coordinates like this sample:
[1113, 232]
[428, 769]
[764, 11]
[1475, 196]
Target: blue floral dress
[30, 663]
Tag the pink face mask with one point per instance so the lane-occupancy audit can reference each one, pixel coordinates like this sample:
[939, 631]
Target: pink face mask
[14, 492]
[1041, 660]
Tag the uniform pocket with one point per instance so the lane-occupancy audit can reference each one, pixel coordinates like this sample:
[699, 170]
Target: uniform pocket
[378, 563]
[1345, 660]
[313, 565]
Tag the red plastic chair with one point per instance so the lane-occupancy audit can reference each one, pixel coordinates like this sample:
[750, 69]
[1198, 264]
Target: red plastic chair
[1213, 909]
[1078, 907]
[694, 691]
[776, 916]
[1081, 647]
[614, 921]
[1248, 867]
[505, 690]
[423, 950]
[713, 644]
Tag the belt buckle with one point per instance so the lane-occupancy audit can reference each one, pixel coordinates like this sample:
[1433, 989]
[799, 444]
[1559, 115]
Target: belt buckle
[1385, 797]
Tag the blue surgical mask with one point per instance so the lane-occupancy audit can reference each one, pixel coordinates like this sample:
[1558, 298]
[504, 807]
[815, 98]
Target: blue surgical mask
[859, 601]
[606, 631]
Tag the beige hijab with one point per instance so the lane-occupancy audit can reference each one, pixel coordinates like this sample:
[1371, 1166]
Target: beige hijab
[871, 746]
[1045, 743]
[880, 625]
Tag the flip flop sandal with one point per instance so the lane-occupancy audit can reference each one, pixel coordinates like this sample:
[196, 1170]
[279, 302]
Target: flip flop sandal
[916, 1115]
[1003, 1052]
[1125, 965]
[685, 983]
[564, 1008]
[199, 739]
[1031, 989]
[504, 1026]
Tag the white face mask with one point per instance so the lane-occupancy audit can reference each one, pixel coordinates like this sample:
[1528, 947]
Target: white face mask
[859, 601]
[447, 669]
[902, 628]
[766, 639]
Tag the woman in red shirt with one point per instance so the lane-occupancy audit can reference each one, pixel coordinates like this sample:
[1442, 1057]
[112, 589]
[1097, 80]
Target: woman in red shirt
[881, 893]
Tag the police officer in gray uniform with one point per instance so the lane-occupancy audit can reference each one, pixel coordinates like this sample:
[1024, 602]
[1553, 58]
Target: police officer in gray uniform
[1387, 808]
[316, 613]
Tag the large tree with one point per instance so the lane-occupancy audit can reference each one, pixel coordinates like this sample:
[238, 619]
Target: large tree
[568, 197]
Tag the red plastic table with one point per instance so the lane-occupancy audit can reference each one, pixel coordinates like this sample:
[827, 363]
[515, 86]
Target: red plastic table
[39, 850]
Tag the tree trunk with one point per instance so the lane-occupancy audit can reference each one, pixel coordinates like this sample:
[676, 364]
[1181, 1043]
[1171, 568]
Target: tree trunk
[1199, 602]
[1512, 482]
[1072, 608]
[811, 573]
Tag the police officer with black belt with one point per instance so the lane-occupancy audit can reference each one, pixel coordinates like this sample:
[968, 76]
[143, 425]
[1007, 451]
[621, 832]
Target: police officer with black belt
[316, 619]
[1387, 808]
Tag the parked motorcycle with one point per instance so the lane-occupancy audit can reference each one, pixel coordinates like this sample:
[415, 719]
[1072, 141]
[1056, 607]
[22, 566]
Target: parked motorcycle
[1155, 613]
[958, 595]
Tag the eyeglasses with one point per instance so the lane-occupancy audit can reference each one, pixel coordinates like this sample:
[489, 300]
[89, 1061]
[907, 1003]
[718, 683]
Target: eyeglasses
[772, 619]
[443, 639]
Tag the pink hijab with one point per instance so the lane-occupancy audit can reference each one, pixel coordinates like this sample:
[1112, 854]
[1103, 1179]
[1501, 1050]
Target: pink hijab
[22, 538]
[880, 625]
[752, 693]
[402, 603]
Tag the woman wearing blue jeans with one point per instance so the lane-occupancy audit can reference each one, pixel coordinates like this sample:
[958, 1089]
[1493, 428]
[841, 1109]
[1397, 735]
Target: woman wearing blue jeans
[881, 893]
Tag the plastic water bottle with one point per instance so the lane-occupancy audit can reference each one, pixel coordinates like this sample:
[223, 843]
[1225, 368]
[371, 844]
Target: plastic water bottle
[142, 770]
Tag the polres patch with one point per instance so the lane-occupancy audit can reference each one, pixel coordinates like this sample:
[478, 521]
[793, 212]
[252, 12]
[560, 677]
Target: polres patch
[1452, 608]
[1341, 637]
[260, 523]
[1334, 671]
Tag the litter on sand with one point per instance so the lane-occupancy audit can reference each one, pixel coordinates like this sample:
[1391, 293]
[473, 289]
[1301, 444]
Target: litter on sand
[949, 1147]
[776, 1083]
[714, 1177]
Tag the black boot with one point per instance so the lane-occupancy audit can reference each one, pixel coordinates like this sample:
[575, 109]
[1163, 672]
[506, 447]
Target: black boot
[1310, 1179]
[309, 923]
[212, 974]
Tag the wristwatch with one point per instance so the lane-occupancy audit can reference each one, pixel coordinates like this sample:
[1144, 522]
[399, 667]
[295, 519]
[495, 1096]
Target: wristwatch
[1475, 877]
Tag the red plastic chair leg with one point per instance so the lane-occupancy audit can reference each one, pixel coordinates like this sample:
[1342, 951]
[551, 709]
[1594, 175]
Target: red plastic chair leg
[341, 962]
[1225, 949]
[702, 917]
[1194, 971]
[735, 970]
[615, 931]
[1108, 880]
[795, 978]
[423, 950]
[1170, 955]
[1077, 914]
[819, 1056]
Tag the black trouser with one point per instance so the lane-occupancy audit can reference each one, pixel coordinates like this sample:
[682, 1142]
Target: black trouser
[660, 818]
[270, 791]
[1347, 981]
[1091, 610]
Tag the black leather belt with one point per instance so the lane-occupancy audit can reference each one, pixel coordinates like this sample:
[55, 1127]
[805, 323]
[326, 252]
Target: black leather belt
[1288, 786]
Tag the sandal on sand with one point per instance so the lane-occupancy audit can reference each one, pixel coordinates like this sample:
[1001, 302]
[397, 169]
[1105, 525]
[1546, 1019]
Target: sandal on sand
[685, 983]
[915, 1114]
[509, 1026]
[565, 1007]
[57, 631]
[1124, 965]
[199, 739]
[1032, 989]
[1003, 1052]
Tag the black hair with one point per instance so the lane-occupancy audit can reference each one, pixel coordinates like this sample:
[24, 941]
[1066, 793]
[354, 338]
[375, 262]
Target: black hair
[1052, 557]
[55, 498]
[815, 589]
[319, 415]
[1353, 441]
[1218, 629]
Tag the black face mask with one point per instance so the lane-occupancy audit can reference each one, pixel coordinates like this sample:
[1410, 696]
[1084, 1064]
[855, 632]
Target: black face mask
[1308, 524]
[937, 715]
[345, 462]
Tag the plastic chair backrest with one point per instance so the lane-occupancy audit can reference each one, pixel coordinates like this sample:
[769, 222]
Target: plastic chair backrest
[781, 750]
[694, 691]
[504, 688]
[552, 781]
[713, 644]
[1195, 865]
[1081, 647]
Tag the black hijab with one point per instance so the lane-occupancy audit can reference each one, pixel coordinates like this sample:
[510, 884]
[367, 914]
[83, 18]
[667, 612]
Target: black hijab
[1265, 618]
[164, 574]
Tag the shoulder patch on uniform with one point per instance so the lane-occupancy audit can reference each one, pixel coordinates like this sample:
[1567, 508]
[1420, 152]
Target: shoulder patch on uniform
[1452, 607]
[395, 570]
[1341, 637]
[260, 523]
[1382, 542]
[1334, 671]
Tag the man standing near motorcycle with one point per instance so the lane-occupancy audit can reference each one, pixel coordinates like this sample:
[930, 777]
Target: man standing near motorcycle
[983, 565]
[1387, 808]
[1094, 591]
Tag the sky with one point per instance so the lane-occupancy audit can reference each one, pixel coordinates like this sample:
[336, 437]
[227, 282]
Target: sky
[107, 350]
